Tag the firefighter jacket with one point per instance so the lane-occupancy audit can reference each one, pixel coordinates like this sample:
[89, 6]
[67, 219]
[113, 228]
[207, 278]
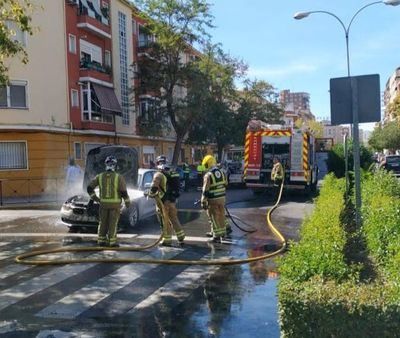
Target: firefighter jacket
[158, 185]
[214, 184]
[166, 185]
[112, 188]
[277, 172]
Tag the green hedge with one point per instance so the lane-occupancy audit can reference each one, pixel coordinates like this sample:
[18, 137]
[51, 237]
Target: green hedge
[381, 220]
[320, 290]
[318, 308]
[320, 250]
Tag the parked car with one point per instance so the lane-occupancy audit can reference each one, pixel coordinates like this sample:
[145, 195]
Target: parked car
[391, 163]
[80, 211]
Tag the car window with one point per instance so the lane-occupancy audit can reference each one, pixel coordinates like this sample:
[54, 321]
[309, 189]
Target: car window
[147, 178]
[392, 160]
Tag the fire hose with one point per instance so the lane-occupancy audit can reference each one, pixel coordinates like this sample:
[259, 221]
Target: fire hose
[23, 258]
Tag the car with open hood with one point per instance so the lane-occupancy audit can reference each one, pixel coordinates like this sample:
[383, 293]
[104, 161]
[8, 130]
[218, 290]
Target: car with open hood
[80, 211]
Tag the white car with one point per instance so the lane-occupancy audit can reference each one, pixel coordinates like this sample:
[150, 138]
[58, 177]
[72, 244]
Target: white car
[80, 211]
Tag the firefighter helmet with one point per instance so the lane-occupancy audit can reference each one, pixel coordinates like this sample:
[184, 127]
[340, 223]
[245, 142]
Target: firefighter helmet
[111, 163]
[162, 159]
[209, 161]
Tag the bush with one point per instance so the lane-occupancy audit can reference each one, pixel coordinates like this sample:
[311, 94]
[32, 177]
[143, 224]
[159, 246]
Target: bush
[319, 294]
[381, 218]
[317, 308]
[320, 250]
[336, 162]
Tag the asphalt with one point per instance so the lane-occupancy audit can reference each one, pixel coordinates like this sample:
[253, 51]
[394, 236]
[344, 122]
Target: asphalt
[163, 301]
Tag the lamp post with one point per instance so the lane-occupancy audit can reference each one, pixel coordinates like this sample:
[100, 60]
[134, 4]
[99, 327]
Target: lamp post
[353, 84]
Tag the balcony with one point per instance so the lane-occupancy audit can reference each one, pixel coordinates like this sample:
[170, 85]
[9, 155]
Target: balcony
[95, 70]
[93, 23]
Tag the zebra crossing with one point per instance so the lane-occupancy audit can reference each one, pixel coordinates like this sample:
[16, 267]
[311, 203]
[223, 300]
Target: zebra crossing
[96, 290]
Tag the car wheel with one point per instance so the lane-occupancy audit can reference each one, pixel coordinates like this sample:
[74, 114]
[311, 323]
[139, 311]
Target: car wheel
[132, 216]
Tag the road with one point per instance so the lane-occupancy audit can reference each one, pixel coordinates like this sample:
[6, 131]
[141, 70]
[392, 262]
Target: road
[142, 300]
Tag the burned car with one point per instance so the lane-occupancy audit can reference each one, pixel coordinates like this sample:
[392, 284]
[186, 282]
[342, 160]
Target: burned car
[80, 210]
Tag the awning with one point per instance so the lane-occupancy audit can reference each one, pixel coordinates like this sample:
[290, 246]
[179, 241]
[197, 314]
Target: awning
[108, 100]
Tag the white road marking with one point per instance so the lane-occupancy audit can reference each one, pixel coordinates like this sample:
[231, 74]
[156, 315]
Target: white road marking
[181, 285]
[76, 303]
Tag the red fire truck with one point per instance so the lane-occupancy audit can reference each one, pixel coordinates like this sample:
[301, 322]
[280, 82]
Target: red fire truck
[293, 147]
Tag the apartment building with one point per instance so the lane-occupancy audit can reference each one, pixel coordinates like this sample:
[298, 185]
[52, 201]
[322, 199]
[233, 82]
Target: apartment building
[392, 89]
[296, 104]
[76, 93]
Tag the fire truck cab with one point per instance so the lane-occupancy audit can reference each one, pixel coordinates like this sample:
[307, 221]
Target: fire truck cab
[294, 148]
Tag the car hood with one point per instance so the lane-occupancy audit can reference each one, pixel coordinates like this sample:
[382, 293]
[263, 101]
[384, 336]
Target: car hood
[134, 194]
[83, 200]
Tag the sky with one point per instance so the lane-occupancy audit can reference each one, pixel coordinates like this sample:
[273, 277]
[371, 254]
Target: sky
[303, 55]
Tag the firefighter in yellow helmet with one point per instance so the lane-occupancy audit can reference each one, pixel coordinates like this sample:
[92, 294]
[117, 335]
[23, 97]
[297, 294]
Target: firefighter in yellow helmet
[165, 190]
[213, 197]
[112, 189]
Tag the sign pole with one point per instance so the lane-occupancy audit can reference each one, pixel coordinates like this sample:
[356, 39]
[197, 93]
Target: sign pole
[356, 150]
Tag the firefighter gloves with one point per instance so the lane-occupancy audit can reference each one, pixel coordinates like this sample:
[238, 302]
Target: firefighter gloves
[204, 204]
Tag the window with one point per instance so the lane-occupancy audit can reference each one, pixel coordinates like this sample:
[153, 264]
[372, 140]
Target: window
[91, 106]
[107, 58]
[72, 43]
[147, 158]
[13, 95]
[78, 150]
[147, 179]
[74, 98]
[13, 155]
[123, 57]
[145, 38]
[149, 108]
[16, 33]
[90, 52]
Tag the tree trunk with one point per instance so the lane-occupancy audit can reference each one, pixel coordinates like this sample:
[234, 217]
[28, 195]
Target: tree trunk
[177, 148]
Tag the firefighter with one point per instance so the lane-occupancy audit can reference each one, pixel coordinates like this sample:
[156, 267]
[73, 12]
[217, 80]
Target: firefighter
[228, 227]
[213, 197]
[165, 189]
[200, 172]
[112, 188]
[277, 172]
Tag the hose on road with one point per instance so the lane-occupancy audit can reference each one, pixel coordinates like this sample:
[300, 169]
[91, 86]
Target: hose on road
[23, 259]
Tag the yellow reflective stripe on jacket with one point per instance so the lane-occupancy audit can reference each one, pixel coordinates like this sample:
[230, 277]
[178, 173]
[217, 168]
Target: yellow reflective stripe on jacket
[217, 185]
[108, 185]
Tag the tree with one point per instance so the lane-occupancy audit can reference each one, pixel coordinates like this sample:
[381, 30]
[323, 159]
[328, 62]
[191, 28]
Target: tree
[336, 162]
[316, 128]
[394, 107]
[386, 137]
[376, 139]
[14, 15]
[177, 25]
[215, 93]
[258, 100]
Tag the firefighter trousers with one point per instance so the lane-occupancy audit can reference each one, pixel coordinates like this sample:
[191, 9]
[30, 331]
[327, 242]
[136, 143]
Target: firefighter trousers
[168, 216]
[108, 224]
[216, 212]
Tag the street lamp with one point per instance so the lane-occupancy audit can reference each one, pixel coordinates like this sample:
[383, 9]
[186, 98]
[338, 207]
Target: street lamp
[356, 141]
